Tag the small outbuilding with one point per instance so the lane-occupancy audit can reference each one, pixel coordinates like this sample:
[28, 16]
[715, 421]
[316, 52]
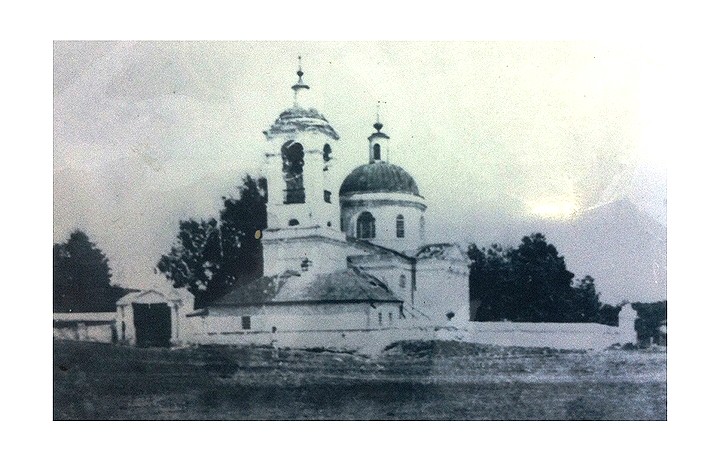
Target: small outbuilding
[153, 317]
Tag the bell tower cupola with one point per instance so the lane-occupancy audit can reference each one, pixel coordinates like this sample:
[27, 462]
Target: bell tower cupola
[379, 148]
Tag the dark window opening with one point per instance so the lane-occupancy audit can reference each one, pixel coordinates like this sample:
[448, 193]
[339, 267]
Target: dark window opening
[293, 222]
[329, 224]
[293, 161]
[376, 151]
[402, 281]
[246, 323]
[379, 318]
[326, 195]
[305, 264]
[365, 225]
[327, 151]
[400, 226]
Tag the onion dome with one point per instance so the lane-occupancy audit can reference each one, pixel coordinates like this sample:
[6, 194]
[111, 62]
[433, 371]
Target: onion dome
[379, 178]
[298, 119]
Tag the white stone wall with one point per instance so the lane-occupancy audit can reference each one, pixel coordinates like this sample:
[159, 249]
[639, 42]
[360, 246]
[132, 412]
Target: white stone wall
[626, 324]
[85, 326]
[389, 273]
[442, 287]
[550, 335]
[98, 333]
[287, 248]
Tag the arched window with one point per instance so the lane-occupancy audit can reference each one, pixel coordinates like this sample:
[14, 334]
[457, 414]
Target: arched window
[365, 225]
[403, 281]
[400, 226]
[327, 151]
[293, 157]
[422, 227]
[376, 151]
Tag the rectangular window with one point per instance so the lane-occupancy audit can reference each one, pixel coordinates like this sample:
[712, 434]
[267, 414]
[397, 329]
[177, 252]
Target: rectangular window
[327, 196]
[246, 323]
[400, 226]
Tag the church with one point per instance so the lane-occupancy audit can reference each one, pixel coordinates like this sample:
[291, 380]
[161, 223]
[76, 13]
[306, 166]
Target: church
[338, 260]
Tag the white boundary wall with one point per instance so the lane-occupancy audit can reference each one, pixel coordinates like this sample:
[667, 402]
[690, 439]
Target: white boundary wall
[86, 326]
[550, 335]
[586, 336]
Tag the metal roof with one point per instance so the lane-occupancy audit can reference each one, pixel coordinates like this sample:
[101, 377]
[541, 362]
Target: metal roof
[350, 285]
[379, 177]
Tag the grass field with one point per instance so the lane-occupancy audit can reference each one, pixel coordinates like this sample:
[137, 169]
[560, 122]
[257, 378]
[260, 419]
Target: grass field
[412, 381]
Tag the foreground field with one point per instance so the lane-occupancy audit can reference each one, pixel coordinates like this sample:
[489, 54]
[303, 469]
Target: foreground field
[421, 380]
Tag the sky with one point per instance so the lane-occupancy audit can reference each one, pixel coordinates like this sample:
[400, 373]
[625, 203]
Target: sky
[149, 133]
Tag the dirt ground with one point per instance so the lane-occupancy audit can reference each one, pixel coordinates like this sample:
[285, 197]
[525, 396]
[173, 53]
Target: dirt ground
[410, 381]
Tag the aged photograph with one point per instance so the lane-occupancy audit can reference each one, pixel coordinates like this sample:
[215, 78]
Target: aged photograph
[356, 231]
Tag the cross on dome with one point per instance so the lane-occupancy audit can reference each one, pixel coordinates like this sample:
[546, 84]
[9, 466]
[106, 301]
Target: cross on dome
[300, 85]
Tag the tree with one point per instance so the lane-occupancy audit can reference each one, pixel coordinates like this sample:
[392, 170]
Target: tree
[541, 283]
[209, 257]
[81, 277]
[531, 283]
[490, 287]
[586, 302]
[651, 317]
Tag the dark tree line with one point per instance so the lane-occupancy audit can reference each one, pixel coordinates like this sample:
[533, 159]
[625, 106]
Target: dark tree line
[81, 277]
[531, 283]
[210, 256]
[651, 316]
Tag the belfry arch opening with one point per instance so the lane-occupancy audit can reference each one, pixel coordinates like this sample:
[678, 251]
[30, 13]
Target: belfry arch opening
[376, 152]
[365, 225]
[293, 157]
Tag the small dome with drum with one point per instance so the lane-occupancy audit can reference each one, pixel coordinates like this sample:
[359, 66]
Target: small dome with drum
[381, 202]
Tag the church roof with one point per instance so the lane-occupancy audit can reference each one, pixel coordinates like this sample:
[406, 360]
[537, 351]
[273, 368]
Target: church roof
[443, 251]
[379, 177]
[372, 248]
[298, 119]
[350, 285]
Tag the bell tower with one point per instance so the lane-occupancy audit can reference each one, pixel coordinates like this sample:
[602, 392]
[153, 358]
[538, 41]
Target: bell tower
[303, 210]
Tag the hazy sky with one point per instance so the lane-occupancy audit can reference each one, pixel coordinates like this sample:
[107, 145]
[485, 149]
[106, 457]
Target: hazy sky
[146, 134]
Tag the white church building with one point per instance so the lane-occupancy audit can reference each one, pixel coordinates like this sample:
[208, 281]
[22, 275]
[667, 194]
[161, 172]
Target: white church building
[345, 268]
[338, 260]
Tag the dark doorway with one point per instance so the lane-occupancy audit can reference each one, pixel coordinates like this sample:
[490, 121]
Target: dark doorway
[152, 325]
